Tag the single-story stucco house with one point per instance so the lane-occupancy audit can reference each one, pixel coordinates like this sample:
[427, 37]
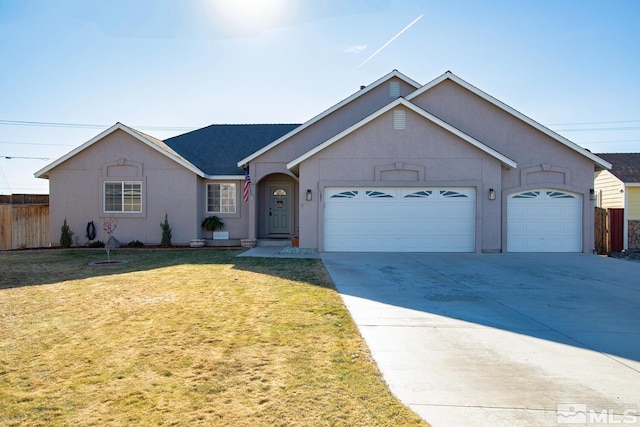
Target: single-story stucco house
[618, 191]
[396, 166]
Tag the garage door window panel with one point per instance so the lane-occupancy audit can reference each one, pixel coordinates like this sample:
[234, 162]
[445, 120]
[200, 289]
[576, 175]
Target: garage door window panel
[378, 195]
[419, 194]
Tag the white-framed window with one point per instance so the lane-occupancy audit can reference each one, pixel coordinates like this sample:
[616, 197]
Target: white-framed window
[221, 197]
[122, 196]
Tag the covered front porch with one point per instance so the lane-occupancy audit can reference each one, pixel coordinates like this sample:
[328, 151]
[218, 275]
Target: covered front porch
[273, 210]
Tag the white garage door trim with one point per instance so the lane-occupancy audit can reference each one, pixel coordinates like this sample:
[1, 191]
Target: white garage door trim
[399, 219]
[544, 220]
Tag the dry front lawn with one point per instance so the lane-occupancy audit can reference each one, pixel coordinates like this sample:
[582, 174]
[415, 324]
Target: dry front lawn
[181, 337]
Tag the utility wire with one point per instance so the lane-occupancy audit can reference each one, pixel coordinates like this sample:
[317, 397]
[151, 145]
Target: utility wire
[189, 128]
[608, 142]
[593, 123]
[88, 126]
[598, 129]
[50, 124]
[19, 157]
[37, 143]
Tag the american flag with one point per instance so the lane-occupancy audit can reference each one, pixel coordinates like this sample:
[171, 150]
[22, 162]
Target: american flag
[245, 188]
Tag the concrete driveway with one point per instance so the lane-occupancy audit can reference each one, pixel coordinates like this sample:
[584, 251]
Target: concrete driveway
[500, 339]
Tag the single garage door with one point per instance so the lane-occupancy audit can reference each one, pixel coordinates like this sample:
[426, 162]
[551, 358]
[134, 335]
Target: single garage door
[544, 221]
[390, 219]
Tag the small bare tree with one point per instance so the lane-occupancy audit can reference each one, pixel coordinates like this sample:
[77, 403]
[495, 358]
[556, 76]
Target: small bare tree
[109, 226]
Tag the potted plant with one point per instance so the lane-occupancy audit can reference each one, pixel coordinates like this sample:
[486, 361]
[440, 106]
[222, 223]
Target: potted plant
[212, 223]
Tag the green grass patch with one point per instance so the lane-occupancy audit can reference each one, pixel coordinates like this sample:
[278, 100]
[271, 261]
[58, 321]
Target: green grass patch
[181, 337]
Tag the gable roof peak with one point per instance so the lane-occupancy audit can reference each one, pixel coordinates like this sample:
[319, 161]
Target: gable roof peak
[149, 140]
[398, 74]
[600, 163]
[506, 162]
[363, 90]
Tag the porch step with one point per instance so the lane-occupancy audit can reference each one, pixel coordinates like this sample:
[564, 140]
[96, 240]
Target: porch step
[273, 242]
[222, 243]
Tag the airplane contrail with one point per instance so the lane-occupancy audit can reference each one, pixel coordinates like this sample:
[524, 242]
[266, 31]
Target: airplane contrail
[390, 41]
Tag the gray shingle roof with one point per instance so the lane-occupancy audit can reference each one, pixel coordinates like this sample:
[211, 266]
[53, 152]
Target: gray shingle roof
[626, 166]
[159, 143]
[216, 149]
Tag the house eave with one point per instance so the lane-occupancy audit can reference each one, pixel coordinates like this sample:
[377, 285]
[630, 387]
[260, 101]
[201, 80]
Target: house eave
[506, 162]
[44, 172]
[224, 177]
[395, 73]
[599, 162]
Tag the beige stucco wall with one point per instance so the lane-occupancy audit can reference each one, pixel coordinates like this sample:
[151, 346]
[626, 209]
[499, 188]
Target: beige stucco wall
[235, 224]
[168, 188]
[275, 160]
[446, 160]
[329, 126]
[542, 161]
[449, 161]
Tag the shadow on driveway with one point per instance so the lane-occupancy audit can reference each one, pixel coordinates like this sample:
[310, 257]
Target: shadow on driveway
[511, 335]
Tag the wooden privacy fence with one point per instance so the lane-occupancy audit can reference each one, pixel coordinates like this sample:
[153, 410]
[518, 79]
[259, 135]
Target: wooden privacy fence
[601, 237]
[609, 230]
[24, 221]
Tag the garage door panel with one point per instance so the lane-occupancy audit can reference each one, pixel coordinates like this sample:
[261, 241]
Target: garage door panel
[544, 221]
[400, 219]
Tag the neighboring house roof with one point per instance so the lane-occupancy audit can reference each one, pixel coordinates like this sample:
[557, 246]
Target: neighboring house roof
[450, 76]
[507, 162]
[392, 74]
[148, 140]
[626, 166]
[216, 149]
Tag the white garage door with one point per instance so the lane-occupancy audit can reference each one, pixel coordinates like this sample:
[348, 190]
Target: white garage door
[544, 221]
[364, 219]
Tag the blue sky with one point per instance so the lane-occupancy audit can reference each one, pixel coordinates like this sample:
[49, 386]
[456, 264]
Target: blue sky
[165, 67]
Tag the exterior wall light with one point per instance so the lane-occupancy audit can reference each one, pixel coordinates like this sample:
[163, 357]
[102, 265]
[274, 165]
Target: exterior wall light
[492, 194]
[592, 194]
[309, 195]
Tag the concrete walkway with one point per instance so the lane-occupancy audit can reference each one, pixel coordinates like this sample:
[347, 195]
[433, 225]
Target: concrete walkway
[500, 339]
[279, 252]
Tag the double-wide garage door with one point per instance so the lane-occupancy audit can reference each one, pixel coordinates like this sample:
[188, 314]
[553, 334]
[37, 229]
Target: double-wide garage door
[392, 219]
